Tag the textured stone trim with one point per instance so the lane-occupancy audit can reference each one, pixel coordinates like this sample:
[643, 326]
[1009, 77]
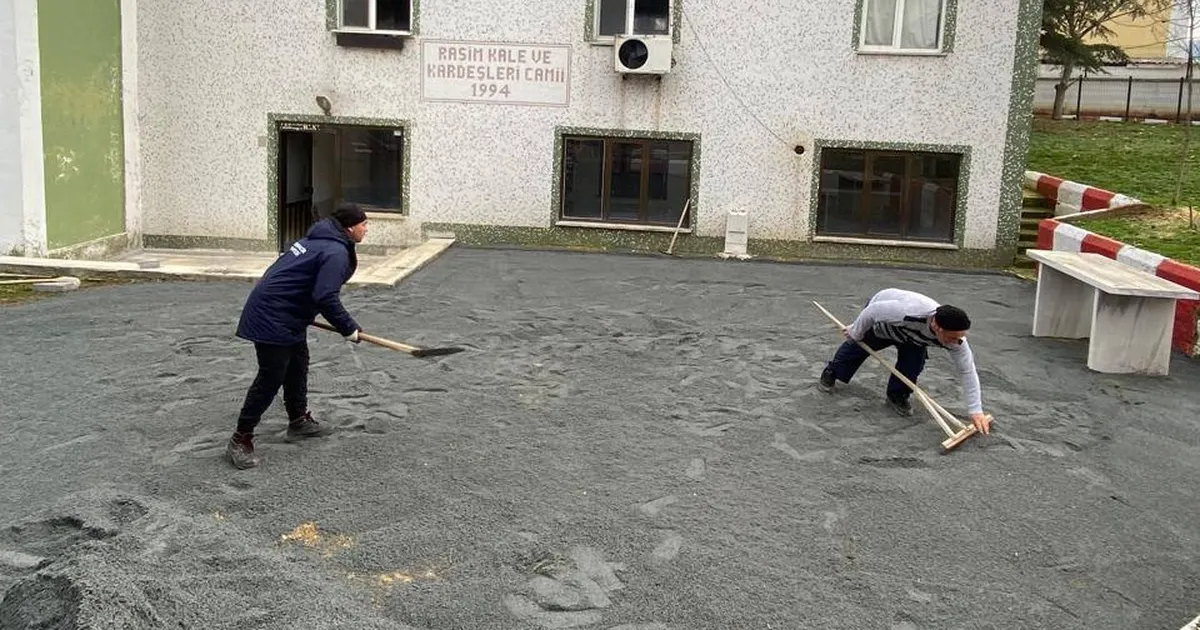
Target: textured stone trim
[175, 241]
[591, 239]
[1020, 122]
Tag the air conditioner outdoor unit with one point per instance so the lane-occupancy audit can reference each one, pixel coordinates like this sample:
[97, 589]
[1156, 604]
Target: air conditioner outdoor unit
[642, 54]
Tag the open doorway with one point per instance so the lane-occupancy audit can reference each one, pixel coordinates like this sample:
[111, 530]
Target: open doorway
[321, 165]
[295, 185]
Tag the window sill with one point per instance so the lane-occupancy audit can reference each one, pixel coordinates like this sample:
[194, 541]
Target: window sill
[609, 40]
[386, 216]
[388, 40]
[849, 240]
[898, 52]
[620, 226]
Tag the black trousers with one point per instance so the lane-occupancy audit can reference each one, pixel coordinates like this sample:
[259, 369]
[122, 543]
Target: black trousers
[910, 361]
[278, 366]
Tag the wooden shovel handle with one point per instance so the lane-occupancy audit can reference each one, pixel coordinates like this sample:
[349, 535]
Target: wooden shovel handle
[379, 341]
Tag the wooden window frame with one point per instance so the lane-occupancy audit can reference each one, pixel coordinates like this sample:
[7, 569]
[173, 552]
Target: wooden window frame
[864, 207]
[608, 142]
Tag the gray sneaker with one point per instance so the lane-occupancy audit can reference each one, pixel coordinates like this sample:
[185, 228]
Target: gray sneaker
[240, 451]
[305, 427]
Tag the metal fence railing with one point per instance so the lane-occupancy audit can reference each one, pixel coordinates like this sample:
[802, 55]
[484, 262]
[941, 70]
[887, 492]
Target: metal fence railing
[1122, 97]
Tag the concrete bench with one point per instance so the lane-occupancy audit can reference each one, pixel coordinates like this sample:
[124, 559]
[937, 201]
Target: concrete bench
[1126, 314]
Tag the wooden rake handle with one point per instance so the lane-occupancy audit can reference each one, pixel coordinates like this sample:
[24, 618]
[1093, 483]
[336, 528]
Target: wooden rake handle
[939, 414]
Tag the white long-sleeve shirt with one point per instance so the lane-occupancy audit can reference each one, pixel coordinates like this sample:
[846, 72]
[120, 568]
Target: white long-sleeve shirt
[904, 317]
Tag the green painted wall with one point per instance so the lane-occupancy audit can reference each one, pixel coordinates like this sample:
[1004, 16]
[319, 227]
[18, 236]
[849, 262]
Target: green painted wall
[79, 43]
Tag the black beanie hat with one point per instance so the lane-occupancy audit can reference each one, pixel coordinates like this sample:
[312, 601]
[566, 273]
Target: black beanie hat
[952, 318]
[349, 215]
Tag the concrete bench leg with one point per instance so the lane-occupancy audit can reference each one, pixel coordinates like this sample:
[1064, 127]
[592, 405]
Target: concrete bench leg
[1063, 308]
[1131, 334]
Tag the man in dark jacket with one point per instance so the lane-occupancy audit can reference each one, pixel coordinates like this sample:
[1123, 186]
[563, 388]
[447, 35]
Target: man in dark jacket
[304, 281]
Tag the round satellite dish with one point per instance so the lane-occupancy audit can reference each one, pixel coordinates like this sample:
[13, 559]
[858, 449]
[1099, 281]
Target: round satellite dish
[633, 54]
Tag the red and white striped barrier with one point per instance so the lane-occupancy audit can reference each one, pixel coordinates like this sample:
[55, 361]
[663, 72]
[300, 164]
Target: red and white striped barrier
[1072, 197]
[1056, 235]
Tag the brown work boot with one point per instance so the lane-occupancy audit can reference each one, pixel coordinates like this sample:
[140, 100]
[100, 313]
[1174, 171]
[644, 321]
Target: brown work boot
[240, 451]
[305, 427]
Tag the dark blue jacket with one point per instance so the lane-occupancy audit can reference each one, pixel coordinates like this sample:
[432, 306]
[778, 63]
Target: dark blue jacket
[302, 282]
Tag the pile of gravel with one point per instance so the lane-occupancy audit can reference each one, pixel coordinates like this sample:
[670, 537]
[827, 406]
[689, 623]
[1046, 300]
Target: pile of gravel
[104, 559]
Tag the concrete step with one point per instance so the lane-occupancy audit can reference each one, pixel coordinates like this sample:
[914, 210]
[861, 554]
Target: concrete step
[1024, 262]
[1033, 199]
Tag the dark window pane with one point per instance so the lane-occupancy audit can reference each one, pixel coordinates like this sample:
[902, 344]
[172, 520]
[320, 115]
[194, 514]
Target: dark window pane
[583, 178]
[625, 188]
[612, 17]
[885, 190]
[670, 181]
[392, 15]
[839, 205]
[370, 167]
[652, 17]
[933, 193]
[356, 13]
[888, 195]
[625, 180]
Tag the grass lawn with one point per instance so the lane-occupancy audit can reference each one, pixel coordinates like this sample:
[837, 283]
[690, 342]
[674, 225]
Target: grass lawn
[1141, 161]
[1162, 231]
[1133, 159]
[13, 293]
[18, 293]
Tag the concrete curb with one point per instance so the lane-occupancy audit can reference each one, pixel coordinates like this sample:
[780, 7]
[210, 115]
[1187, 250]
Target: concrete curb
[386, 274]
[1072, 197]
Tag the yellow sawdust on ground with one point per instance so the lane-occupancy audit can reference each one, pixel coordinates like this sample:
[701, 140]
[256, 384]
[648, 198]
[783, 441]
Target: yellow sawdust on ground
[1166, 222]
[311, 536]
[398, 578]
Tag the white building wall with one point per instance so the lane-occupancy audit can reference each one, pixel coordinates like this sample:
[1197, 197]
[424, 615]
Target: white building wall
[22, 194]
[211, 70]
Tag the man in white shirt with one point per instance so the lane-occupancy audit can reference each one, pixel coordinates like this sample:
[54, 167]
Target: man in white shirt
[912, 322]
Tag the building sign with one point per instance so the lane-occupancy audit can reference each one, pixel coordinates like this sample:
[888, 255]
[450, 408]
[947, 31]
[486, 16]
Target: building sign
[480, 72]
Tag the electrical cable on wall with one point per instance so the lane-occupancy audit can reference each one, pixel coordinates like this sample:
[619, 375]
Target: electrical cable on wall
[729, 87]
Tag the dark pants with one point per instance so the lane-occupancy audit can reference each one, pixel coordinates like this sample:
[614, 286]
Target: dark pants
[278, 366]
[910, 360]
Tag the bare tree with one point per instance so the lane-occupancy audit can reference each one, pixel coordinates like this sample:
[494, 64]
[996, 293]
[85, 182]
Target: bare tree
[1190, 9]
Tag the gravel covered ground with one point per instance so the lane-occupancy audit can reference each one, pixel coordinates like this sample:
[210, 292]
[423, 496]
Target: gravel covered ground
[631, 443]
